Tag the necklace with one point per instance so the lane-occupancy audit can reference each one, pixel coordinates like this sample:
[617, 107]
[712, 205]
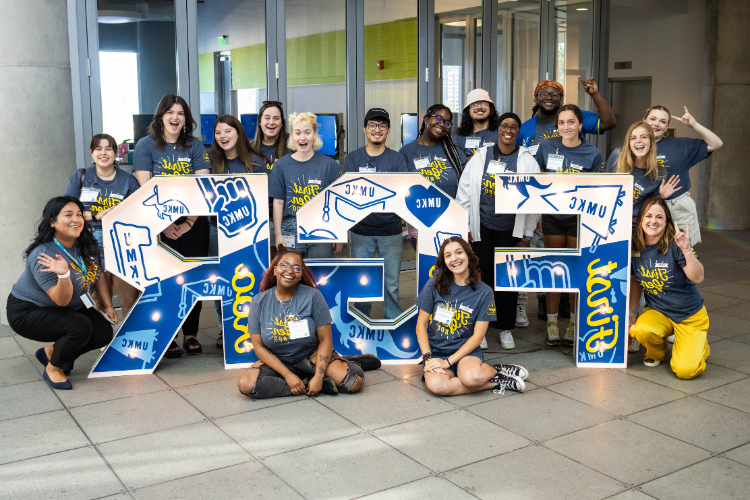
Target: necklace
[284, 310]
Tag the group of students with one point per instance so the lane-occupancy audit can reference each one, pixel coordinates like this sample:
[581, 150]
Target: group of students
[59, 295]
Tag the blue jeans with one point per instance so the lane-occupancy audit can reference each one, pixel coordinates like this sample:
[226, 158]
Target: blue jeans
[389, 249]
[99, 237]
[314, 250]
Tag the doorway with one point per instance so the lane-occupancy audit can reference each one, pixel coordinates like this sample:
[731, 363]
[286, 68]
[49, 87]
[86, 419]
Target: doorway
[631, 97]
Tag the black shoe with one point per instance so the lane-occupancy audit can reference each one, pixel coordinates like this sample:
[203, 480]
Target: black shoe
[368, 362]
[174, 351]
[541, 309]
[504, 382]
[329, 387]
[192, 346]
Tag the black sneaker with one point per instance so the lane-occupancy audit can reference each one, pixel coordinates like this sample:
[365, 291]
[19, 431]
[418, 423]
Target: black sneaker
[368, 362]
[329, 387]
[512, 371]
[541, 308]
[504, 382]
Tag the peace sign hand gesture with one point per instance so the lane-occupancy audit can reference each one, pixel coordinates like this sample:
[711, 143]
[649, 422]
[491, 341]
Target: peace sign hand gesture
[686, 119]
[682, 238]
[589, 85]
[58, 265]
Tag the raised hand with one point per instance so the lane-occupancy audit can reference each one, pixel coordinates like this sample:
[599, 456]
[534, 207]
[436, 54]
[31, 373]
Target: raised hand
[686, 119]
[589, 85]
[58, 265]
[668, 188]
[682, 238]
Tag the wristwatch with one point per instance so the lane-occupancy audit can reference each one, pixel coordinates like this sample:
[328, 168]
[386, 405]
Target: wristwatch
[426, 356]
[93, 215]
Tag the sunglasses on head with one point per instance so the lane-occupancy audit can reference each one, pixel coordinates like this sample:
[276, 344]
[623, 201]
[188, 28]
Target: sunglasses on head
[272, 103]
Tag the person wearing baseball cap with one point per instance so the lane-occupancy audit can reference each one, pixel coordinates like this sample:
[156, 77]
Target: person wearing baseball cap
[549, 95]
[479, 123]
[381, 232]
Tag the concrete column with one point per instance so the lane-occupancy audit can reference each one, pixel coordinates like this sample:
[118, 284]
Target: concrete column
[724, 187]
[36, 124]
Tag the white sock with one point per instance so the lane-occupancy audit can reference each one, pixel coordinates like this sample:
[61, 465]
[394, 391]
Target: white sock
[551, 318]
[572, 318]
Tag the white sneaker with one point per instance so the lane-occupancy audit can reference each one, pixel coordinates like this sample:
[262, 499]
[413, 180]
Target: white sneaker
[523, 299]
[506, 340]
[670, 339]
[483, 345]
[553, 335]
[570, 334]
[522, 321]
[651, 362]
[634, 345]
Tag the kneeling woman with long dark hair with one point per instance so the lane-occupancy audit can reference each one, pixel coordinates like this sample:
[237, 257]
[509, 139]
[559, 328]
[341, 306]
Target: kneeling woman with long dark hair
[290, 327]
[51, 301]
[458, 308]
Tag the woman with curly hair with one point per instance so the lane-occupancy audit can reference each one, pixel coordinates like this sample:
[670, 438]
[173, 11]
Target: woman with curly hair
[290, 328]
[457, 308]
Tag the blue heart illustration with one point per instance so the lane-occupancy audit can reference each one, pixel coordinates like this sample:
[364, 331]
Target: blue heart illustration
[427, 204]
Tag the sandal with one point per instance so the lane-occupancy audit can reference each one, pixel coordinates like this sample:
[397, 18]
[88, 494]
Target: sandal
[173, 351]
[220, 342]
[190, 346]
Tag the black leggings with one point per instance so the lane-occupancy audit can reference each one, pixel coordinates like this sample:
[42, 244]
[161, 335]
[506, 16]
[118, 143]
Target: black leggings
[194, 243]
[505, 302]
[74, 332]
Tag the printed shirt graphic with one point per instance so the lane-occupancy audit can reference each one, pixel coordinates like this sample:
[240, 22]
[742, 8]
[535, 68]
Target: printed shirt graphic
[678, 155]
[665, 285]
[440, 172]
[388, 161]
[583, 158]
[486, 137]
[487, 215]
[297, 182]
[33, 283]
[468, 306]
[269, 319]
[111, 192]
[643, 185]
[172, 160]
[534, 132]
[266, 164]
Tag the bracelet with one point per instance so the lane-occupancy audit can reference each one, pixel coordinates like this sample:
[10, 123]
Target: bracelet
[188, 223]
[449, 362]
[63, 276]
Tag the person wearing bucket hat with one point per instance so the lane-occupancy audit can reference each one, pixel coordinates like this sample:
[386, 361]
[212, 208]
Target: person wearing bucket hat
[549, 95]
[479, 123]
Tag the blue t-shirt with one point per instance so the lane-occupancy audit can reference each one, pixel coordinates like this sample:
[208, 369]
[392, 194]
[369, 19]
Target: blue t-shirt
[235, 165]
[533, 131]
[439, 171]
[297, 182]
[98, 193]
[678, 155]
[172, 159]
[33, 284]
[468, 307]
[388, 161]
[487, 215]
[485, 137]
[270, 319]
[643, 185]
[553, 156]
[266, 161]
[665, 284]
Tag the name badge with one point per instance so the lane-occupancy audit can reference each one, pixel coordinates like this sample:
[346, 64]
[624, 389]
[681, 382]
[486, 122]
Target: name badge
[555, 162]
[367, 169]
[533, 149]
[290, 241]
[420, 163]
[87, 300]
[496, 167]
[473, 142]
[89, 195]
[444, 315]
[298, 329]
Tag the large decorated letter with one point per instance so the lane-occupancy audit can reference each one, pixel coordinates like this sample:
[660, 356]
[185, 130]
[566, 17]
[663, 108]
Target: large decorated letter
[328, 217]
[598, 270]
[171, 283]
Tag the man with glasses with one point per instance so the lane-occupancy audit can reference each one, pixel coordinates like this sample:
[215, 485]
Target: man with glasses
[479, 122]
[381, 232]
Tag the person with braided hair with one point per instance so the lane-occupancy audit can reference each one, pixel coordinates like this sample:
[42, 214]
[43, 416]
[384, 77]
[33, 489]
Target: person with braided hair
[290, 328]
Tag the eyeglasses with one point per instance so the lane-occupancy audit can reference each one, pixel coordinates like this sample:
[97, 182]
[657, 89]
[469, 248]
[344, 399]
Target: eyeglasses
[440, 121]
[553, 95]
[285, 266]
[272, 103]
[512, 128]
[377, 126]
[479, 104]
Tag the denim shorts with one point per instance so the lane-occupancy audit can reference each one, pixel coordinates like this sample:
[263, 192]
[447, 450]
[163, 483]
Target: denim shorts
[437, 353]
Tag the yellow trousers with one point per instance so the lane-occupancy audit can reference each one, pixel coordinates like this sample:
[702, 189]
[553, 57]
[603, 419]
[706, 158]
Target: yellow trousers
[690, 348]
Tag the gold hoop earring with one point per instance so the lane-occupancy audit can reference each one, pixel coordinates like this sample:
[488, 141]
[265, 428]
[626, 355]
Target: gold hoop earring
[184, 128]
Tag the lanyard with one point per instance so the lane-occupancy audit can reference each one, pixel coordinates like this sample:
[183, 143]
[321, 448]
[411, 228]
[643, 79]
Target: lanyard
[80, 262]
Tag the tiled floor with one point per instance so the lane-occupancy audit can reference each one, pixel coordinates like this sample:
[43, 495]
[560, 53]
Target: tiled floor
[186, 432]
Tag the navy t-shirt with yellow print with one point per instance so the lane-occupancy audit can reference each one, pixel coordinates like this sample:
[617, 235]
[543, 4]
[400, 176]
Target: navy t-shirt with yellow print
[468, 306]
[487, 216]
[297, 182]
[439, 171]
[173, 159]
[484, 137]
[554, 156]
[98, 194]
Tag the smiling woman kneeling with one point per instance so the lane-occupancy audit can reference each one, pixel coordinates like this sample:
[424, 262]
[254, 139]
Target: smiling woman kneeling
[290, 328]
[458, 307]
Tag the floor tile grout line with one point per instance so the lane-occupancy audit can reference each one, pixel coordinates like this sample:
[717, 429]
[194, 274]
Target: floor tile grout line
[30, 415]
[45, 455]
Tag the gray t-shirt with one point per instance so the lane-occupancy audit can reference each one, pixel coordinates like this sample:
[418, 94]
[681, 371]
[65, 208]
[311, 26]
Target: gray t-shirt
[485, 137]
[439, 171]
[388, 161]
[99, 195]
[266, 161]
[235, 165]
[270, 319]
[468, 306]
[554, 156]
[643, 185]
[487, 215]
[172, 159]
[297, 182]
[33, 284]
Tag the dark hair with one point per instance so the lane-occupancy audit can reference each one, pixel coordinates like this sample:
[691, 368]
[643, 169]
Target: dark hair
[450, 149]
[99, 138]
[639, 240]
[444, 276]
[659, 107]
[570, 107]
[45, 233]
[219, 156]
[467, 122]
[269, 279]
[280, 142]
[157, 125]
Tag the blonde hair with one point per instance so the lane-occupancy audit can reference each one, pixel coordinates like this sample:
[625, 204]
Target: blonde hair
[626, 160]
[307, 119]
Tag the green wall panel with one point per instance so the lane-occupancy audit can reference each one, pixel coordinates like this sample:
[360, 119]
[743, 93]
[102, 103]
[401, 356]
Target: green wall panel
[394, 43]
[249, 67]
[316, 59]
[206, 72]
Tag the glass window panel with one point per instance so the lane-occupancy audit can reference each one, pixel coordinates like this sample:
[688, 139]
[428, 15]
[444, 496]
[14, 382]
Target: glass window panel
[575, 34]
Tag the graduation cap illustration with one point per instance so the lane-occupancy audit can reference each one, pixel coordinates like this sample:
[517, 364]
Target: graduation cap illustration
[355, 195]
[440, 237]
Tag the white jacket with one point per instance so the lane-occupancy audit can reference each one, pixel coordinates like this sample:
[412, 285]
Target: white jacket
[470, 188]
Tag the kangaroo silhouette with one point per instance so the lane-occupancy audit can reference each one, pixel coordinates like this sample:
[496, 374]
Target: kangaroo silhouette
[522, 183]
[165, 210]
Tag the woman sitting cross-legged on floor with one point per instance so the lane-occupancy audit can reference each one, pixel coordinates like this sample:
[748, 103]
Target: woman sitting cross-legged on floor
[457, 307]
[665, 266]
[290, 328]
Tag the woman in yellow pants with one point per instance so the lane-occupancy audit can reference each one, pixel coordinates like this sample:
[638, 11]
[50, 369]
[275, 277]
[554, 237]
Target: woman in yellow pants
[664, 265]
